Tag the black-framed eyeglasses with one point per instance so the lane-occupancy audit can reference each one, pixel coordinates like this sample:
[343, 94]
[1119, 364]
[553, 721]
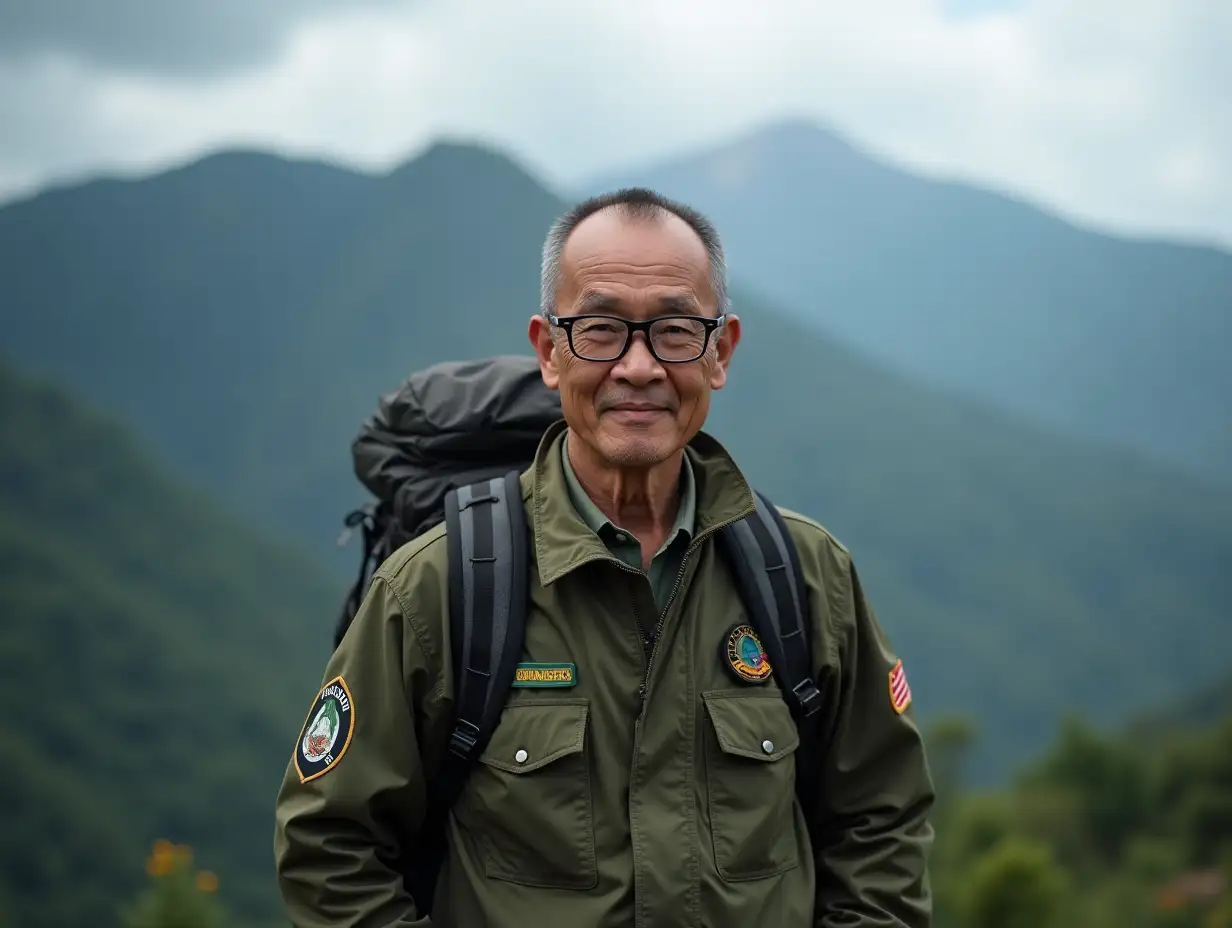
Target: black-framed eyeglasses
[671, 339]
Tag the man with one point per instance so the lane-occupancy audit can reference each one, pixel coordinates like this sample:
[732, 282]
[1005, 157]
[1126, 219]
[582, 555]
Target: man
[660, 788]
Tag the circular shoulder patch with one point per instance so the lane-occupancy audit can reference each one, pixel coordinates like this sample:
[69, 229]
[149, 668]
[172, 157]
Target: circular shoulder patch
[745, 655]
[327, 731]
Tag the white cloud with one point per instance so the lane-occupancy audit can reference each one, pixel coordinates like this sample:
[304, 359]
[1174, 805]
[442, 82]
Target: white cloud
[1110, 112]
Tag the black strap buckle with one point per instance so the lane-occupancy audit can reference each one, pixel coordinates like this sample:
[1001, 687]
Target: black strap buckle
[464, 738]
[808, 696]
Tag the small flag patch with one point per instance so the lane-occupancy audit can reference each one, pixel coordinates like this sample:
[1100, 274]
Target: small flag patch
[900, 692]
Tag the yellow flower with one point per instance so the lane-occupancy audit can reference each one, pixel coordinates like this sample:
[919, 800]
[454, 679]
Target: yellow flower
[207, 882]
[162, 859]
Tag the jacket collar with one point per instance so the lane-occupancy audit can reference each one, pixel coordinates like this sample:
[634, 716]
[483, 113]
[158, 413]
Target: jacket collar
[563, 540]
[602, 526]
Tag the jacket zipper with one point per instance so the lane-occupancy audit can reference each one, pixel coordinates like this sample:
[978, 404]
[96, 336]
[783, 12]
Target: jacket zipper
[684, 560]
[654, 648]
[643, 690]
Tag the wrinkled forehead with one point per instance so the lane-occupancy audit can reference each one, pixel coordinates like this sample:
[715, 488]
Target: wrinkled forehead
[636, 267]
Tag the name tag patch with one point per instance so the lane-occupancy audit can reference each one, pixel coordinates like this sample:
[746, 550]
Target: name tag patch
[545, 675]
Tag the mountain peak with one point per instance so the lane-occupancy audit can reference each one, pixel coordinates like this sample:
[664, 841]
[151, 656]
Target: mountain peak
[463, 160]
[795, 134]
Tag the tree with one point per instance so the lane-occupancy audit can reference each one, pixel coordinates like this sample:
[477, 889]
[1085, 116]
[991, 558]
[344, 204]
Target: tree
[1017, 884]
[1108, 779]
[949, 740]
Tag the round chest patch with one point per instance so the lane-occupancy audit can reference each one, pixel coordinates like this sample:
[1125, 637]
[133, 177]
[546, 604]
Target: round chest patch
[745, 655]
[327, 730]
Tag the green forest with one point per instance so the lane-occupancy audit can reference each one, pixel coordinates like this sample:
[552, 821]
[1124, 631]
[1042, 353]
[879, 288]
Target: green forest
[156, 658]
[1131, 829]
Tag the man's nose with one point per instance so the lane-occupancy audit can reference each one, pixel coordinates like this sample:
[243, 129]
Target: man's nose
[639, 365]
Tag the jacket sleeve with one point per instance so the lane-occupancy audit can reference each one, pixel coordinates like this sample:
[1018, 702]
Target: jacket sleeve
[344, 808]
[875, 791]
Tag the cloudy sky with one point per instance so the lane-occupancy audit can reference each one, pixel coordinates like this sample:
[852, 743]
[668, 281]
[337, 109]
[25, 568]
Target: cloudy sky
[1112, 112]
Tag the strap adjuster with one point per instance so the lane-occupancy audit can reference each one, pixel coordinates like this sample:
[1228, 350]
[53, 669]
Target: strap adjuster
[464, 738]
[807, 695]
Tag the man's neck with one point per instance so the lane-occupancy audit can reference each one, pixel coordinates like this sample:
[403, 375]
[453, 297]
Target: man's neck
[641, 500]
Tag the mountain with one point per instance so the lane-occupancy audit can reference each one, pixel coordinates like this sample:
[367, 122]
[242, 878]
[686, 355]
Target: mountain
[1111, 340]
[245, 312]
[157, 658]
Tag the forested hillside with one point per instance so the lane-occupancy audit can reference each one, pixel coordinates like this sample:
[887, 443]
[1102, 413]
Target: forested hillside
[1103, 831]
[245, 312]
[157, 657]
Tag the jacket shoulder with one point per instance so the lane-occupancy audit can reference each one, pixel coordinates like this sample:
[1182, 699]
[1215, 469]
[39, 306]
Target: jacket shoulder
[811, 535]
[426, 550]
[828, 570]
[417, 576]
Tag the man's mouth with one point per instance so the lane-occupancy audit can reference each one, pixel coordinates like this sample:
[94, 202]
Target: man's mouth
[638, 407]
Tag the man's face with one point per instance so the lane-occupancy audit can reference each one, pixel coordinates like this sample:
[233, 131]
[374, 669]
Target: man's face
[636, 411]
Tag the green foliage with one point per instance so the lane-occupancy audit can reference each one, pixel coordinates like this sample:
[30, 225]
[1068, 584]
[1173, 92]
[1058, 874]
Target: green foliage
[1015, 884]
[178, 895]
[1098, 833]
[245, 313]
[157, 659]
[1107, 780]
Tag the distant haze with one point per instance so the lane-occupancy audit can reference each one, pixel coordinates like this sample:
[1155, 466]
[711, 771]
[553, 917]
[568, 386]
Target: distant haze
[1114, 113]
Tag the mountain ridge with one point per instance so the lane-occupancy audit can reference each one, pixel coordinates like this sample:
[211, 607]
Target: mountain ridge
[1124, 339]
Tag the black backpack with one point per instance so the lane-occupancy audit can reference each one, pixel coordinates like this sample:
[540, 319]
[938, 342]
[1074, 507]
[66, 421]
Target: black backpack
[450, 445]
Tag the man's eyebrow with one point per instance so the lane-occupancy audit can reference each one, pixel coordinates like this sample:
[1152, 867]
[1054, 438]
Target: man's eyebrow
[594, 301]
[679, 303]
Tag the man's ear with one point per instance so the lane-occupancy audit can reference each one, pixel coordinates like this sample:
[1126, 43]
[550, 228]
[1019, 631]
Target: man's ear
[729, 338]
[540, 333]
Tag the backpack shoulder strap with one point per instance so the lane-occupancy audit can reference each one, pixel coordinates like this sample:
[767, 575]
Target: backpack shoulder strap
[486, 534]
[760, 550]
[487, 543]
[763, 555]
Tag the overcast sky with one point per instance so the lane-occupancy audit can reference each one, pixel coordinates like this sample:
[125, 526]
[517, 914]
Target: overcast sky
[1114, 112]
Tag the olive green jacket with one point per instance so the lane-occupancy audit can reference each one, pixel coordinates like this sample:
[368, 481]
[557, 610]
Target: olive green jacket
[658, 790]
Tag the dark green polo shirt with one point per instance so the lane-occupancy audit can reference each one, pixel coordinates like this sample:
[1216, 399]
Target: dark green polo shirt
[623, 544]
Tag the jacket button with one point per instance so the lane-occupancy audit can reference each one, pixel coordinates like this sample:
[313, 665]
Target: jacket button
[521, 756]
[768, 747]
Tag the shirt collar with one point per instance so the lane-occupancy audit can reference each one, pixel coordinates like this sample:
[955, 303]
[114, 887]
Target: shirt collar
[601, 525]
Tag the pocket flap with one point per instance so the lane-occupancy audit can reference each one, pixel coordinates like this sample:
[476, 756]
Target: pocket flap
[758, 725]
[531, 735]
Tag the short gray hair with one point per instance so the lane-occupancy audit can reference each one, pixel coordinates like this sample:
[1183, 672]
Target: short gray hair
[635, 203]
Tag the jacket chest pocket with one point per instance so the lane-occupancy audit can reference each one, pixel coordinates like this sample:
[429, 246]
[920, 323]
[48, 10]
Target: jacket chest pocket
[530, 798]
[750, 775]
